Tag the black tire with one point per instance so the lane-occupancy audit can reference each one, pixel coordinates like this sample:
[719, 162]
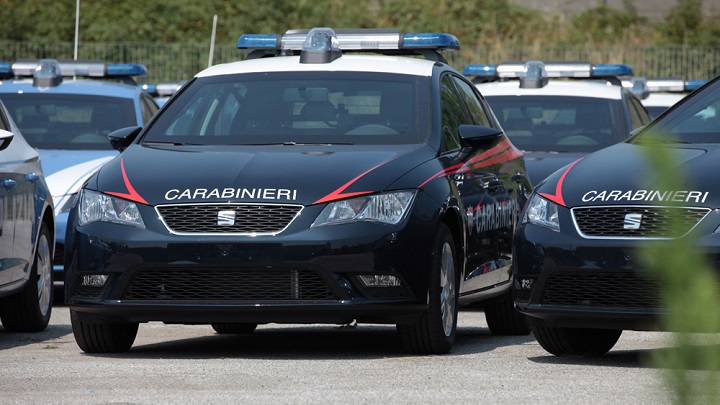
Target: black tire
[503, 319]
[234, 328]
[30, 309]
[435, 331]
[103, 337]
[576, 341]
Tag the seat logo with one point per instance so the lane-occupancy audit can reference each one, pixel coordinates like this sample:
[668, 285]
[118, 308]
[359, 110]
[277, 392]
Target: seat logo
[632, 221]
[226, 218]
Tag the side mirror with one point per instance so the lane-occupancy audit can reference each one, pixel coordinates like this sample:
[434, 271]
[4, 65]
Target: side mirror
[478, 135]
[122, 138]
[5, 138]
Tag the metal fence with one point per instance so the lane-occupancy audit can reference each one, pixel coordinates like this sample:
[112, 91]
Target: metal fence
[181, 61]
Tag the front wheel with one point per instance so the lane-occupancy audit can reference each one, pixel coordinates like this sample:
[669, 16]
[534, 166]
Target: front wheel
[30, 309]
[103, 337]
[503, 319]
[434, 332]
[576, 341]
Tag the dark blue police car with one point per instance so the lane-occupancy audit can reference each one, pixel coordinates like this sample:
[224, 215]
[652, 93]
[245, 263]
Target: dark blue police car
[304, 185]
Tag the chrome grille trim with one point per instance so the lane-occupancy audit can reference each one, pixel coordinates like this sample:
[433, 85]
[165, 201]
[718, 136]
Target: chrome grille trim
[694, 215]
[207, 212]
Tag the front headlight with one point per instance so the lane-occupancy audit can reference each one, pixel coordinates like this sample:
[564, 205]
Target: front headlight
[387, 208]
[96, 206]
[542, 212]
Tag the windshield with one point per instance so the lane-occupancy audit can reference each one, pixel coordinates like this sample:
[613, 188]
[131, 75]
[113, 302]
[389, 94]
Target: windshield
[297, 108]
[553, 123]
[68, 121]
[696, 119]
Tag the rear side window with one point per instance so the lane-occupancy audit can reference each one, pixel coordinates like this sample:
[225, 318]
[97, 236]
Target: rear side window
[474, 106]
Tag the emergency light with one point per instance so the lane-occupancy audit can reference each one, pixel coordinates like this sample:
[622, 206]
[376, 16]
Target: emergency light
[674, 85]
[554, 69]
[387, 41]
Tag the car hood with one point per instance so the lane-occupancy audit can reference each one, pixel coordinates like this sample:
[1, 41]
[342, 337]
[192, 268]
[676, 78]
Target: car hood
[66, 170]
[273, 174]
[540, 165]
[622, 174]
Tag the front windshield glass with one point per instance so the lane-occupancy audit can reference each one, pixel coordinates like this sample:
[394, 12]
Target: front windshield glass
[552, 123]
[695, 120]
[297, 108]
[69, 121]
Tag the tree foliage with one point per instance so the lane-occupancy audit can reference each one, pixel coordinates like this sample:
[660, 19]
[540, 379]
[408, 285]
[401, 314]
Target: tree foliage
[474, 22]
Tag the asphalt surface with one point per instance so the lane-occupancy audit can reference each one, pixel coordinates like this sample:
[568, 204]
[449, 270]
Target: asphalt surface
[303, 364]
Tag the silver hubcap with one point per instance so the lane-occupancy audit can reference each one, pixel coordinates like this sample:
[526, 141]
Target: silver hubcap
[447, 286]
[44, 270]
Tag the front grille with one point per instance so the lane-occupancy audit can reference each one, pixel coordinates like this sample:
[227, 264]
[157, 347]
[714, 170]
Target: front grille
[246, 218]
[622, 221]
[200, 284]
[618, 290]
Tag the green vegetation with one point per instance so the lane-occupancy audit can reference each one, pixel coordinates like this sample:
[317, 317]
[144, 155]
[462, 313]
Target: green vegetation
[474, 22]
[692, 364]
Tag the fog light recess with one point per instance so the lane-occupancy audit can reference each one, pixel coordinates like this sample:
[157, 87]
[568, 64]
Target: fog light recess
[94, 280]
[380, 280]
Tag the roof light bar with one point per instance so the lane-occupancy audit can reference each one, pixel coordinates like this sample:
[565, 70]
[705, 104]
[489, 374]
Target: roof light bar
[82, 68]
[511, 70]
[674, 85]
[354, 40]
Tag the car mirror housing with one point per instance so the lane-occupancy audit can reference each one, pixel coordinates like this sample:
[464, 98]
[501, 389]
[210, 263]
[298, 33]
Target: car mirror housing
[478, 135]
[122, 138]
[5, 138]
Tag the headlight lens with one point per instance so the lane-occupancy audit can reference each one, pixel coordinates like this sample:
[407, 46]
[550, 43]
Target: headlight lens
[96, 206]
[542, 212]
[387, 208]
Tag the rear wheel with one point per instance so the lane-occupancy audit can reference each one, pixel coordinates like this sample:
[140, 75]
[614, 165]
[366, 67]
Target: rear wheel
[576, 341]
[434, 332]
[234, 328]
[30, 309]
[503, 319]
[103, 337]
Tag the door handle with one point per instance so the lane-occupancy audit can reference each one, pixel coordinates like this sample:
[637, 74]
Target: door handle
[32, 177]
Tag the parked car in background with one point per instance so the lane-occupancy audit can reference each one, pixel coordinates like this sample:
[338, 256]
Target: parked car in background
[27, 229]
[304, 185]
[579, 270]
[664, 93]
[556, 112]
[65, 110]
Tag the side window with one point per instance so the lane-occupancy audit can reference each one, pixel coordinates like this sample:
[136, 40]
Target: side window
[642, 113]
[148, 108]
[474, 106]
[453, 113]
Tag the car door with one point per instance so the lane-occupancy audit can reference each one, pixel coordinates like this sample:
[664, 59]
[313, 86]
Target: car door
[16, 213]
[486, 185]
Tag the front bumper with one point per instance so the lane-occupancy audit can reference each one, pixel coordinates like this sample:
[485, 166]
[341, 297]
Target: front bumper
[303, 275]
[565, 280]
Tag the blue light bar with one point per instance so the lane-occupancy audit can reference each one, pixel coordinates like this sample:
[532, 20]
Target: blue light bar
[674, 85]
[557, 69]
[481, 70]
[606, 69]
[149, 88]
[692, 85]
[259, 41]
[354, 40]
[126, 69]
[430, 40]
[5, 70]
